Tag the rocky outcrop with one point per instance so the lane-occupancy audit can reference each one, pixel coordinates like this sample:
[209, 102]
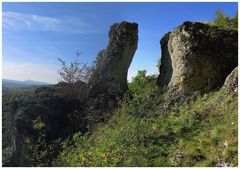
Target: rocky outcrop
[110, 74]
[65, 109]
[231, 82]
[60, 115]
[197, 57]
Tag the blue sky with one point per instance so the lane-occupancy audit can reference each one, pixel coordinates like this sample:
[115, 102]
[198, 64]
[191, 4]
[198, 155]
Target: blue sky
[36, 34]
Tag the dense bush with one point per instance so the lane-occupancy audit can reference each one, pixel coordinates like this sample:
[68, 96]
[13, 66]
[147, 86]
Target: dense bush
[140, 80]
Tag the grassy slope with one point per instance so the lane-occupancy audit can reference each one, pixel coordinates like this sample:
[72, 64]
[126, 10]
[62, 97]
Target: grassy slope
[194, 134]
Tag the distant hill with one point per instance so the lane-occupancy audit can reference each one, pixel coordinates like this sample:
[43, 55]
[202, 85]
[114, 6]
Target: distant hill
[15, 84]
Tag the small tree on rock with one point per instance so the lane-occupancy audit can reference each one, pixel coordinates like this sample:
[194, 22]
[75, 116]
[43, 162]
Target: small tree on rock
[225, 21]
[73, 77]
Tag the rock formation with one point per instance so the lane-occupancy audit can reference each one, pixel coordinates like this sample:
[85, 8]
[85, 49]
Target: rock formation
[231, 82]
[61, 116]
[197, 57]
[66, 113]
[110, 74]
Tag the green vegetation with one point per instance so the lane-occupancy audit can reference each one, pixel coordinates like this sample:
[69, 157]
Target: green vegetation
[10, 101]
[140, 80]
[225, 21]
[60, 130]
[200, 133]
[40, 150]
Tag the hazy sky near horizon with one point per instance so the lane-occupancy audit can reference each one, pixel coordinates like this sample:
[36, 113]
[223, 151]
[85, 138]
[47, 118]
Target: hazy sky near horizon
[36, 34]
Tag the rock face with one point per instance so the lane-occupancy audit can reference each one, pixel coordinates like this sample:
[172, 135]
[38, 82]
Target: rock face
[59, 115]
[231, 82]
[110, 74]
[197, 57]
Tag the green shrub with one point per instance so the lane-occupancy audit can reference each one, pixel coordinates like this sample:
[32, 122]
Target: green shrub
[40, 151]
[225, 21]
[140, 80]
[192, 135]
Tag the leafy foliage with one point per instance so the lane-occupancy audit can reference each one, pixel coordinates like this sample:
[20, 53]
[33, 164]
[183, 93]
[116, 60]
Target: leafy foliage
[225, 21]
[11, 99]
[190, 135]
[40, 149]
[140, 80]
[38, 120]
[115, 146]
[202, 132]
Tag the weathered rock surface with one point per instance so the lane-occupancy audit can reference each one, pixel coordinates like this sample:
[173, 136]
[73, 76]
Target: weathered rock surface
[197, 57]
[61, 117]
[110, 74]
[231, 82]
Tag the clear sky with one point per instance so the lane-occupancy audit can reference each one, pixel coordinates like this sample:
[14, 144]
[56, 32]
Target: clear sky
[36, 34]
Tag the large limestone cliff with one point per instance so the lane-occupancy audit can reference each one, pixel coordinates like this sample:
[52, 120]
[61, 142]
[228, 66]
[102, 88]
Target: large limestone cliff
[197, 57]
